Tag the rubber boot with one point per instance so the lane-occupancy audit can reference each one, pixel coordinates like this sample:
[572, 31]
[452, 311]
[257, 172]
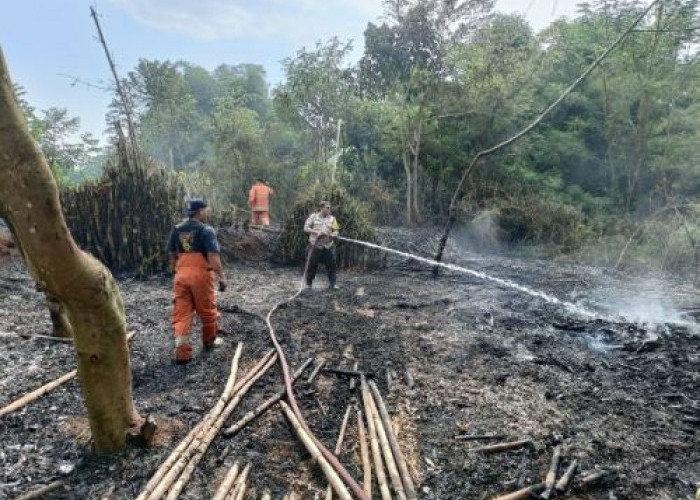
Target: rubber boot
[209, 332]
[183, 354]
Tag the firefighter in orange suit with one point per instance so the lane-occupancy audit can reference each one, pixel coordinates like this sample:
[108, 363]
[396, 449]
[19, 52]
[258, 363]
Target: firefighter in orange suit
[259, 202]
[194, 256]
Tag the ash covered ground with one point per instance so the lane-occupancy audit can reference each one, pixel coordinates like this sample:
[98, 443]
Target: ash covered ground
[452, 355]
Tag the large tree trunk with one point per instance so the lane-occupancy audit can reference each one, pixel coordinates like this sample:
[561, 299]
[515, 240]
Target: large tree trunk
[85, 288]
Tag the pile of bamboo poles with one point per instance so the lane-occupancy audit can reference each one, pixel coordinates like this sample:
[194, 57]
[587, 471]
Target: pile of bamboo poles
[124, 218]
[387, 457]
[172, 476]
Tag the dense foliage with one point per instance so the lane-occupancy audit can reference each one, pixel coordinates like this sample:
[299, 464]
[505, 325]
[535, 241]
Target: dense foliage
[437, 82]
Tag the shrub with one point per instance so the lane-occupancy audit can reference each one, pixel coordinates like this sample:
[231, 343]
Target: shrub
[353, 217]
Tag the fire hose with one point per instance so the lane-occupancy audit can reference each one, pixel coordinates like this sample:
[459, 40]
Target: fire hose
[330, 457]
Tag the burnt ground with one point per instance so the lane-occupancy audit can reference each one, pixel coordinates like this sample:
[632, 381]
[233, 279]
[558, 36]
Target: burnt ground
[481, 358]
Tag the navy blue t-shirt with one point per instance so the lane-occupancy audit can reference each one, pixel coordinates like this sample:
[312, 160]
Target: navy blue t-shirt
[193, 236]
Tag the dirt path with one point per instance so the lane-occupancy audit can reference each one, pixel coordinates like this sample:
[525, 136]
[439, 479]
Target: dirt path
[480, 360]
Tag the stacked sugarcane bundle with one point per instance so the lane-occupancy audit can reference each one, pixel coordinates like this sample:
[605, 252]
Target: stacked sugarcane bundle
[353, 217]
[173, 475]
[124, 218]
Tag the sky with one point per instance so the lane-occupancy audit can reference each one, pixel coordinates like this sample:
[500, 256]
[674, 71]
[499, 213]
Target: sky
[49, 44]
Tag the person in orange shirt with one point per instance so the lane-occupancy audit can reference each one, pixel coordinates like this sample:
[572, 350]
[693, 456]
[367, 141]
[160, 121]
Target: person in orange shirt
[259, 202]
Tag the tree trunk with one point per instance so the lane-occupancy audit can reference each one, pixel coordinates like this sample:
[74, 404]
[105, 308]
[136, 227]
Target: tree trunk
[85, 288]
[415, 150]
[409, 188]
[59, 320]
[61, 325]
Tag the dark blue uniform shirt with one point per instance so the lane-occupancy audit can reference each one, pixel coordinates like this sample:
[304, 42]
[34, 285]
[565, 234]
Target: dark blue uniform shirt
[193, 236]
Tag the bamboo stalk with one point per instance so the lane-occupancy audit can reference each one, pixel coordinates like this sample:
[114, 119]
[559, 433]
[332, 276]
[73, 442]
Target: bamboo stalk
[41, 492]
[256, 412]
[223, 489]
[389, 459]
[311, 447]
[373, 441]
[364, 454]
[394, 443]
[522, 494]
[182, 472]
[37, 393]
[513, 445]
[479, 437]
[184, 445]
[266, 496]
[241, 485]
[317, 369]
[551, 474]
[339, 446]
[565, 480]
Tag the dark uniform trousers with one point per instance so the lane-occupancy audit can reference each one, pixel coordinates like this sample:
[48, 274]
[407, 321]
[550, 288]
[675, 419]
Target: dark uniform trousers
[325, 256]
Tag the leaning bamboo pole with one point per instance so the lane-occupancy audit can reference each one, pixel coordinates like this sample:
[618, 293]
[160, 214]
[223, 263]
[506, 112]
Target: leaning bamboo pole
[331, 474]
[389, 459]
[339, 446]
[256, 412]
[223, 490]
[181, 448]
[37, 393]
[394, 443]
[373, 441]
[364, 454]
[183, 471]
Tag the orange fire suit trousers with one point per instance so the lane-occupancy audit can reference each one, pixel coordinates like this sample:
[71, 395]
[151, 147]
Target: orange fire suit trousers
[193, 292]
[260, 218]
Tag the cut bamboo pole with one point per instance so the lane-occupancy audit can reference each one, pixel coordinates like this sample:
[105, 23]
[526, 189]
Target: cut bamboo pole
[225, 486]
[513, 445]
[339, 446]
[241, 485]
[266, 496]
[364, 454]
[36, 394]
[551, 474]
[523, 494]
[389, 459]
[479, 437]
[255, 413]
[183, 470]
[42, 492]
[331, 474]
[373, 441]
[394, 443]
[317, 369]
[565, 480]
[185, 444]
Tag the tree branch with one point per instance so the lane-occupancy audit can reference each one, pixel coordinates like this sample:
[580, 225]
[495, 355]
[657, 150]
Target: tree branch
[533, 124]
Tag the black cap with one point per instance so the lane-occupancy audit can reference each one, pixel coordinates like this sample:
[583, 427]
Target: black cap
[194, 205]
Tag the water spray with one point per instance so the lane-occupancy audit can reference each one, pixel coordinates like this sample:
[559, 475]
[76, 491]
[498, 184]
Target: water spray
[575, 308]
